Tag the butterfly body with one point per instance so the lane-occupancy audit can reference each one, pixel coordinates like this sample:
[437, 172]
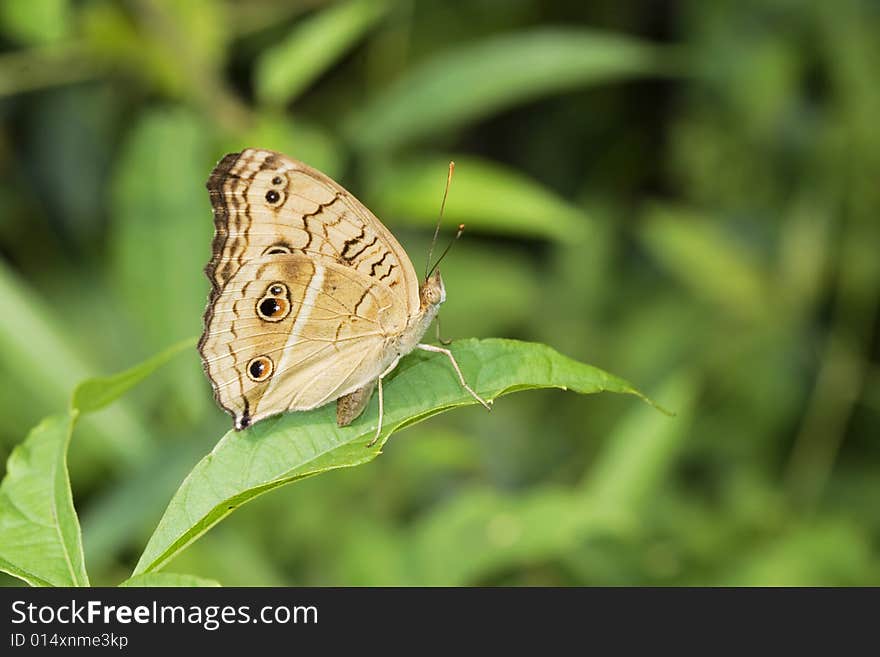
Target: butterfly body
[312, 298]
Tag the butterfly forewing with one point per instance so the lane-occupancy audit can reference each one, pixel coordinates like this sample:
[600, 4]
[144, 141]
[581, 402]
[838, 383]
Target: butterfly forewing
[266, 203]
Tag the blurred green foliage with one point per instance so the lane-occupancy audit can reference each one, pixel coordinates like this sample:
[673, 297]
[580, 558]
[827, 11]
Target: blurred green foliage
[684, 193]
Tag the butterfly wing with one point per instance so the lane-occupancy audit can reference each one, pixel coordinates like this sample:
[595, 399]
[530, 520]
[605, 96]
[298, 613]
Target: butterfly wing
[266, 203]
[293, 332]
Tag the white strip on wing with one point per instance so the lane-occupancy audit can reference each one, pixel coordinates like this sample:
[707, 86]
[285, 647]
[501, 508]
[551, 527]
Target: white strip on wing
[302, 318]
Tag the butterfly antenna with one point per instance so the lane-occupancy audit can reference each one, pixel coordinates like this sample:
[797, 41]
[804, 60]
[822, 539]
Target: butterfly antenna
[428, 268]
[446, 250]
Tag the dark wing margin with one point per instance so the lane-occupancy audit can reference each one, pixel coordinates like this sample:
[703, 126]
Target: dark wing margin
[221, 233]
[221, 217]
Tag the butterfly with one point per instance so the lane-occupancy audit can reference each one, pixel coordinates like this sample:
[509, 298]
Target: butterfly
[312, 298]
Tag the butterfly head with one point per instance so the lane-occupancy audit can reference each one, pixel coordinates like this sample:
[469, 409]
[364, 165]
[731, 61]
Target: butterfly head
[433, 292]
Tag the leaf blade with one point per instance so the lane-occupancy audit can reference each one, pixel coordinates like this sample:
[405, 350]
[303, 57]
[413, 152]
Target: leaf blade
[286, 69]
[30, 332]
[244, 465]
[162, 580]
[486, 196]
[96, 393]
[152, 237]
[488, 531]
[39, 22]
[476, 80]
[41, 538]
[703, 258]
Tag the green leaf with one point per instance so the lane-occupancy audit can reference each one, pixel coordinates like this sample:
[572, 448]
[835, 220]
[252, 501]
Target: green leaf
[313, 45]
[110, 516]
[162, 223]
[40, 539]
[823, 552]
[94, 394]
[109, 526]
[234, 557]
[176, 47]
[42, 67]
[640, 450]
[154, 580]
[485, 196]
[707, 261]
[205, 24]
[281, 450]
[473, 81]
[161, 239]
[30, 332]
[481, 532]
[35, 22]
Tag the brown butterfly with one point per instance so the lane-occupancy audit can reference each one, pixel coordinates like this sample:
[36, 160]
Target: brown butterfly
[312, 299]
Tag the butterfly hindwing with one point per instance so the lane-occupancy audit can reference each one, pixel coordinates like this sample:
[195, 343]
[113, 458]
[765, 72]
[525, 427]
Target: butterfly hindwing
[292, 332]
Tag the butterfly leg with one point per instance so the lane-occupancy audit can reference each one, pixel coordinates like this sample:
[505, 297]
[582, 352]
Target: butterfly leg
[382, 401]
[445, 343]
[381, 415]
[441, 350]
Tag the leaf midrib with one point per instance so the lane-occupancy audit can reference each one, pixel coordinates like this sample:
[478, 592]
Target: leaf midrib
[54, 504]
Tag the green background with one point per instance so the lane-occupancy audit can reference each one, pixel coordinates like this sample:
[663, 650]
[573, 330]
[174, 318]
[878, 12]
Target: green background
[683, 193]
